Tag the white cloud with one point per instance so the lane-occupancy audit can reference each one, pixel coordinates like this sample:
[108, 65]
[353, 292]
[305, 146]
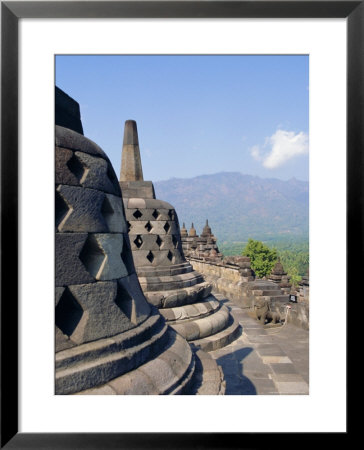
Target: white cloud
[280, 148]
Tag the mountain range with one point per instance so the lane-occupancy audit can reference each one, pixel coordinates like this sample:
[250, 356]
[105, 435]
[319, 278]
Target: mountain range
[240, 206]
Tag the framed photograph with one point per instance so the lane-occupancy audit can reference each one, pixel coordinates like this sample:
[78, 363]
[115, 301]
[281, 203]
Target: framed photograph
[330, 33]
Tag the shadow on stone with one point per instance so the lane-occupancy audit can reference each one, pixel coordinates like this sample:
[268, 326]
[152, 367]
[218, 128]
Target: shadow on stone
[236, 382]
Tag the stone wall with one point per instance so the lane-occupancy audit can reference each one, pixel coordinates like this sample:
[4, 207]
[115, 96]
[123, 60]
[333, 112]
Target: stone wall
[235, 282]
[227, 279]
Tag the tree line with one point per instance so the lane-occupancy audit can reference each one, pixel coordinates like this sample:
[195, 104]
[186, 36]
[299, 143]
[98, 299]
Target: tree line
[294, 256]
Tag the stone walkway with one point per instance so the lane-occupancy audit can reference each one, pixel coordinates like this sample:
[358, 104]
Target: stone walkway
[264, 361]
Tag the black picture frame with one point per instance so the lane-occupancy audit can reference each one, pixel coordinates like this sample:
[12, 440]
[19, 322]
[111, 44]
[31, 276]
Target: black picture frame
[11, 12]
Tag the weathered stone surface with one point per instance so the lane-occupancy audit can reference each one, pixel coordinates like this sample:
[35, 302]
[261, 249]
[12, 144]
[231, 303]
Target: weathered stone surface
[103, 315]
[156, 244]
[135, 203]
[134, 189]
[84, 210]
[96, 175]
[67, 170]
[72, 140]
[62, 341]
[131, 168]
[105, 329]
[69, 268]
[67, 112]
[113, 214]
[112, 266]
[138, 306]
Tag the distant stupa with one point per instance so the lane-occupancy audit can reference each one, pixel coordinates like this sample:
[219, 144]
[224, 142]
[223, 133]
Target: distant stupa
[168, 280]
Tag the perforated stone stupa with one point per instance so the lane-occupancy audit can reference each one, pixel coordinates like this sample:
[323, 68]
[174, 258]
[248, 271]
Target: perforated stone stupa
[167, 279]
[203, 246]
[109, 340]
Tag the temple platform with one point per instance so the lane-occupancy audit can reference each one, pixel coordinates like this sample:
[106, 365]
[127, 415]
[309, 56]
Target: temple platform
[264, 361]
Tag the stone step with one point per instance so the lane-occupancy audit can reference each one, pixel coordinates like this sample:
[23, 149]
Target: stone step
[130, 340]
[169, 373]
[166, 283]
[175, 269]
[173, 298]
[104, 360]
[204, 327]
[191, 312]
[219, 340]
[208, 378]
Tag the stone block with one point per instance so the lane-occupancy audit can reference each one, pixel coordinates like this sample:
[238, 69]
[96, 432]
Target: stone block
[67, 138]
[63, 165]
[161, 374]
[145, 242]
[157, 204]
[135, 383]
[141, 309]
[293, 388]
[156, 298]
[111, 266]
[163, 213]
[139, 227]
[205, 327]
[188, 330]
[81, 211]
[62, 342]
[102, 303]
[270, 350]
[67, 112]
[96, 173]
[113, 213]
[135, 203]
[69, 268]
[283, 368]
[191, 311]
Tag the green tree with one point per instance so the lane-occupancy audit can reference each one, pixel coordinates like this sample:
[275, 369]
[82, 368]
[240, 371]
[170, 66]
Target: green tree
[262, 257]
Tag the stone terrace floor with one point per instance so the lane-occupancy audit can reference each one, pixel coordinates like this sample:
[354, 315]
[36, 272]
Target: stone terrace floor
[264, 361]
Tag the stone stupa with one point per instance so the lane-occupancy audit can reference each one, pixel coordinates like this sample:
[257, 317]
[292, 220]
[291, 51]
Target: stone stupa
[203, 246]
[168, 280]
[109, 339]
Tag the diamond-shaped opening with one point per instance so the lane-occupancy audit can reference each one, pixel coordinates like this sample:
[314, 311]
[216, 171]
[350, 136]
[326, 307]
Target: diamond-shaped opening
[126, 254]
[175, 241]
[148, 226]
[128, 225]
[68, 313]
[92, 255]
[155, 214]
[159, 241]
[61, 208]
[107, 210]
[137, 214]
[170, 255]
[126, 303]
[167, 227]
[76, 167]
[171, 214]
[150, 257]
[138, 241]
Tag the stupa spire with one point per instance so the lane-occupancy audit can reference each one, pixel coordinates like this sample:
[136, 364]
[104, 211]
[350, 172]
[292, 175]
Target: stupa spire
[131, 164]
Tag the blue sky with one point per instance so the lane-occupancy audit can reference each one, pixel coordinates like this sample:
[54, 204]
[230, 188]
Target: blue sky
[196, 115]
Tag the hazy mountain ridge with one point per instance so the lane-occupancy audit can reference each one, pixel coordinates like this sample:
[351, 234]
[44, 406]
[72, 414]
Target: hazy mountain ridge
[239, 206]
